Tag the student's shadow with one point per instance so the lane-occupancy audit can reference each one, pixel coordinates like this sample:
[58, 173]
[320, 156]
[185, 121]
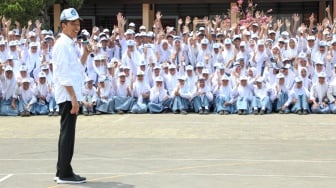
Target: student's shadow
[95, 184]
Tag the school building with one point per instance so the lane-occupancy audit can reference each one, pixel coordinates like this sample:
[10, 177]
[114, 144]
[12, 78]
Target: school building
[103, 12]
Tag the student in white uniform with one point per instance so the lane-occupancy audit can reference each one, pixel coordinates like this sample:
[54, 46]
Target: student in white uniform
[122, 99]
[298, 97]
[140, 93]
[318, 95]
[281, 92]
[42, 93]
[90, 97]
[159, 98]
[171, 80]
[261, 100]
[331, 94]
[9, 103]
[131, 57]
[223, 92]
[23, 74]
[27, 99]
[181, 96]
[202, 97]
[243, 96]
[32, 59]
[259, 58]
[104, 97]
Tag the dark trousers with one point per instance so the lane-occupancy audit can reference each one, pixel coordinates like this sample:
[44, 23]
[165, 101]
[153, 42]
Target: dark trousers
[66, 140]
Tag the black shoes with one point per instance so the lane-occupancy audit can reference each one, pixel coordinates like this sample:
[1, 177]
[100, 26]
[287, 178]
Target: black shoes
[75, 179]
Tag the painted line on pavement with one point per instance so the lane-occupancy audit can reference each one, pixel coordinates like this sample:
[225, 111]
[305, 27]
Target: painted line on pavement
[6, 177]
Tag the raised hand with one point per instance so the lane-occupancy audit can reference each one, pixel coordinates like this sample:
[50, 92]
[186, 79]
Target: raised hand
[279, 23]
[319, 27]
[187, 20]
[325, 22]
[8, 23]
[287, 23]
[234, 26]
[3, 20]
[158, 15]
[218, 19]
[180, 21]
[119, 16]
[30, 23]
[312, 18]
[195, 21]
[206, 20]
[257, 14]
[296, 17]
[38, 24]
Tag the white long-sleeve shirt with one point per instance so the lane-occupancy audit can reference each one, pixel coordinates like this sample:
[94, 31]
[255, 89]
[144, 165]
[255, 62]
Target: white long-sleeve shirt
[68, 70]
[157, 95]
[318, 91]
[138, 89]
[28, 96]
[295, 92]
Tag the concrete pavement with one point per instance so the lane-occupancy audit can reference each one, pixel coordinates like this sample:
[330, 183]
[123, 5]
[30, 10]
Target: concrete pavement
[167, 150]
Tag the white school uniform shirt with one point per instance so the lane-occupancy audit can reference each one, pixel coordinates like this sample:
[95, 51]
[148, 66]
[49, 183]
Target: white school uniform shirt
[68, 70]
[190, 82]
[185, 92]
[289, 79]
[90, 92]
[14, 54]
[223, 91]
[277, 89]
[171, 82]
[157, 94]
[104, 92]
[33, 61]
[138, 89]
[228, 54]
[107, 52]
[317, 56]
[296, 92]
[319, 91]
[42, 90]
[8, 86]
[260, 58]
[245, 92]
[206, 90]
[269, 76]
[121, 89]
[331, 93]
[3, 56]
[261, 92]
[201, 55]
[217, 58]
[132, 62]
[28, 96]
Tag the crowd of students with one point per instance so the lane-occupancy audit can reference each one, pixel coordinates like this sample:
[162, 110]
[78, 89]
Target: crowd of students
[203, 66]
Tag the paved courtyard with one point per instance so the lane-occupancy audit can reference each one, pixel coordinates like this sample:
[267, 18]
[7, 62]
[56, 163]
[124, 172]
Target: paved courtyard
[174, 151]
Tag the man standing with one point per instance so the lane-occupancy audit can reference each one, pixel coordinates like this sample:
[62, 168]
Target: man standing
[68, 78]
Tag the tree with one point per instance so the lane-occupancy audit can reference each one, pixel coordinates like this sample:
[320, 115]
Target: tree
[21, 10]
[24, 10]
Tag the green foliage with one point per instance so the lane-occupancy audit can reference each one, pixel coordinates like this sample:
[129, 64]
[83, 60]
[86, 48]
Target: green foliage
[24, 10]
[77, 4]
[21, 10]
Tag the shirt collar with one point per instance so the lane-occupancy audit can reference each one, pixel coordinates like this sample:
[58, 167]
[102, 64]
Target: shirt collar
[67, 39]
